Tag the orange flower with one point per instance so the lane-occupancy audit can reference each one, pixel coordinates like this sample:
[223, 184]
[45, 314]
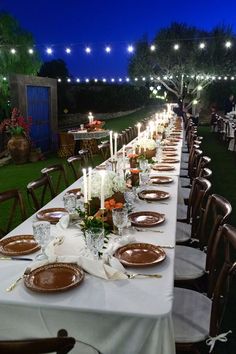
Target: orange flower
[135, 171]
[119, 205]
[132, 156]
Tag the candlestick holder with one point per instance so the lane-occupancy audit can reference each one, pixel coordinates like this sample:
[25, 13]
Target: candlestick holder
[86, 209]
[114, 165]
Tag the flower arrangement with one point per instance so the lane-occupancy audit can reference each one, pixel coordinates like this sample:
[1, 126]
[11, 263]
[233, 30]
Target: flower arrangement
[17, 124]
[113, 183]
[95, 124]
[146, 144]
[111, 204]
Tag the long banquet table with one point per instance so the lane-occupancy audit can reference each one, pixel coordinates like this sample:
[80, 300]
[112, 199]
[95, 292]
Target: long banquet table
[130, 316]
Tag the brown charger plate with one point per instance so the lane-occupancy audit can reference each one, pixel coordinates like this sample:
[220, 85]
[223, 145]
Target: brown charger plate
[170, 154]
[52, 215]
[174, 140]
[171, 143]
[163, 167]
[76, 191]
[153, 195]
[169, 160]
[54, 277]
[161, 179]
[169, 148]
[140, 255]
[18, 245]
[146, 218]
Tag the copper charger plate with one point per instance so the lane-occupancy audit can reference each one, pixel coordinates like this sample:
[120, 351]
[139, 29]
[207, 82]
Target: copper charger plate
[161, 179]
[171, 143]
[170, 154]
[19, 245]
[169, 160]
[163, 167]
[146, 218]
[54, 277]
[169, 148]
[76, 191]
[140, 255]
[153, 195]
[52, 215]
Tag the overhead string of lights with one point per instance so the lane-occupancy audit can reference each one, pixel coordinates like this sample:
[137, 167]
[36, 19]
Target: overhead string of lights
[130, 48]
[140, 79]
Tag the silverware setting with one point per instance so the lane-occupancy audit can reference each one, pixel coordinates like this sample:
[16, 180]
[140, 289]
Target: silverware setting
[147, 230]
[141, 275]
[14, 284]
[15, 259]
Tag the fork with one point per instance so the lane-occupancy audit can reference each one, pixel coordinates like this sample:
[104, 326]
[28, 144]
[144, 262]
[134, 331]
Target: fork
[14, 284]
[142, 230]
[135, 275]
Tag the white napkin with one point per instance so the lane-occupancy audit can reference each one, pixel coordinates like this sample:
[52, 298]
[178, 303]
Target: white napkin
[69, 247]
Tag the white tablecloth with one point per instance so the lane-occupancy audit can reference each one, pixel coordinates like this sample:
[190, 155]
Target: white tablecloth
[123, 317]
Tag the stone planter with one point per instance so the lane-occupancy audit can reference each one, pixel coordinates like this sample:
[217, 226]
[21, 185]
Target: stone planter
[19, 149]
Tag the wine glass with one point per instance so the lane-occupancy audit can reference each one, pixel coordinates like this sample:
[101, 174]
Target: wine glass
[41, 232]
[144, 178]
[69, 200]
[130, 199]
[120, 218]
[143, 164]
[95, 240]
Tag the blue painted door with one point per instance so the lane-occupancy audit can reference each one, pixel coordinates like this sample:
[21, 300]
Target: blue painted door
[38, 99]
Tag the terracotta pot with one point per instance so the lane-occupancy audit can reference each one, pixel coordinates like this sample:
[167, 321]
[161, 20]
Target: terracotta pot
[135, 179]
[148, 153]
[133, 162]
[19, 149]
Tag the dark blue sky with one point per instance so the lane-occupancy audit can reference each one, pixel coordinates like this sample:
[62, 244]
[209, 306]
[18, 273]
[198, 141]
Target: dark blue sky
[78, 23]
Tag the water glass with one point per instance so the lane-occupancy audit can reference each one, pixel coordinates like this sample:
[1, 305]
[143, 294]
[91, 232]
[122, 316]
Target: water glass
[95, 239]
[144, 178]
[120, 218]
[41, 232]
[69, 200]
[143, 165]
[130, 197]
[82, 126]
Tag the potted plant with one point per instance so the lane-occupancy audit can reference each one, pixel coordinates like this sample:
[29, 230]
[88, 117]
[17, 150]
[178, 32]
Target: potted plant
[19, 143]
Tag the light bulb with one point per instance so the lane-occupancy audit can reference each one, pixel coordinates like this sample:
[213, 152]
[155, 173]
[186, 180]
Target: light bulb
[88, 50]
[108, 49]
[153, 48]
[13, 51]
[176, 47]
[130, 48]
[49, 51]
[30, 51]
[68, 50]
[228, 44]
[202, 45]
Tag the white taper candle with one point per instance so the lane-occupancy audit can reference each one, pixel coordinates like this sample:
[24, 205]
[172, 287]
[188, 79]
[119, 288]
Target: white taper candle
[85, 186]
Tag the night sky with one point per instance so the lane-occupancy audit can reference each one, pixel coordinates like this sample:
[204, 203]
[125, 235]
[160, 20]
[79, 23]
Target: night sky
[98, 23]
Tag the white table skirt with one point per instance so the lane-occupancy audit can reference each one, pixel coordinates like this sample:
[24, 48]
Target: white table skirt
[121, 317]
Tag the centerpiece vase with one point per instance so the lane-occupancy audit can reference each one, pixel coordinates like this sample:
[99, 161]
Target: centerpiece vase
[19, 149]
[148, 153]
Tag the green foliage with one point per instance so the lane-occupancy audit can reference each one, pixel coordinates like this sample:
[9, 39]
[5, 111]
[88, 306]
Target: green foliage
[54, 69]
[12, 35]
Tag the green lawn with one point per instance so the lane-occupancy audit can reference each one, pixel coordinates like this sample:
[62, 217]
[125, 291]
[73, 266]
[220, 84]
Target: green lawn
[18, 176]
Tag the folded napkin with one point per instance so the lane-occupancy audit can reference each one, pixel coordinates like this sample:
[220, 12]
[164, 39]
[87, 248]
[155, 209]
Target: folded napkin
[69, 247]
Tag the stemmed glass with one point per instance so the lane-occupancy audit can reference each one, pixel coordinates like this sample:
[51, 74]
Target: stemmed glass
[69, 200]
[130, 199]
[144, 178]
[41, 232]
[120, 218]
[95, 240]
[143, 164]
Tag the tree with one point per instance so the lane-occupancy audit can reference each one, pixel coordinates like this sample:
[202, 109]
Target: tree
[12, 36]
[54, 69]
[186, 70]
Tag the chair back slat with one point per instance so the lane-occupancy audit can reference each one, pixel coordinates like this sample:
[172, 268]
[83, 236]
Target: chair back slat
[37, 191]
[57, 174]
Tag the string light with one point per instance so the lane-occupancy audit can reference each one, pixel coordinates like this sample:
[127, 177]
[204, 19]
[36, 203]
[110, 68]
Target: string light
[108, 49]
[130, 49]
[176, 47]
[104, 80]
[49, 51]
[112, 80]
[88, 50]
[152, 48]
[68, 50]
[77, 80]
[30, 51]
[59, 80]
[202, 45]
[95, 80]
[68, 80]
[13, 51]
[228, 44]
[87, 80]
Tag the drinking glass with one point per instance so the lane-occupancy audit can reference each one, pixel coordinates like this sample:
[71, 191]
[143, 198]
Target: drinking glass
[120, 218]
[130, 197]
[41, 232]
[69, 200]
[144, 178]
[143, 165]
[95, 239]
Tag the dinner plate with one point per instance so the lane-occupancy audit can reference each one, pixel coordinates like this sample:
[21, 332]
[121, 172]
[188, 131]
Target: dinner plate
[171, 143]
[140, 254]
[161, 179]
[170, 154]
[153, 195]
[54, 277]
[169, 160]
[52, 215]
[76, 191]
[169, 148]
[19, 245]
[163, 167]
[146, 218]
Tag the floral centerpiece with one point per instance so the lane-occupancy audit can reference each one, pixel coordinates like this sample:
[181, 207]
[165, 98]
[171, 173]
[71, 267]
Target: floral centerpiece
[19, 143]
[95, 125]
[133, 160]
[146, 147]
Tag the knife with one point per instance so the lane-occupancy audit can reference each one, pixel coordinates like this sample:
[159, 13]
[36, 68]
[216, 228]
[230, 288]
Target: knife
[15, 259]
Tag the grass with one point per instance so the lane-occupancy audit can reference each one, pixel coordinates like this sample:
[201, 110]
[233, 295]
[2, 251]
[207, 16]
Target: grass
[18, 176]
